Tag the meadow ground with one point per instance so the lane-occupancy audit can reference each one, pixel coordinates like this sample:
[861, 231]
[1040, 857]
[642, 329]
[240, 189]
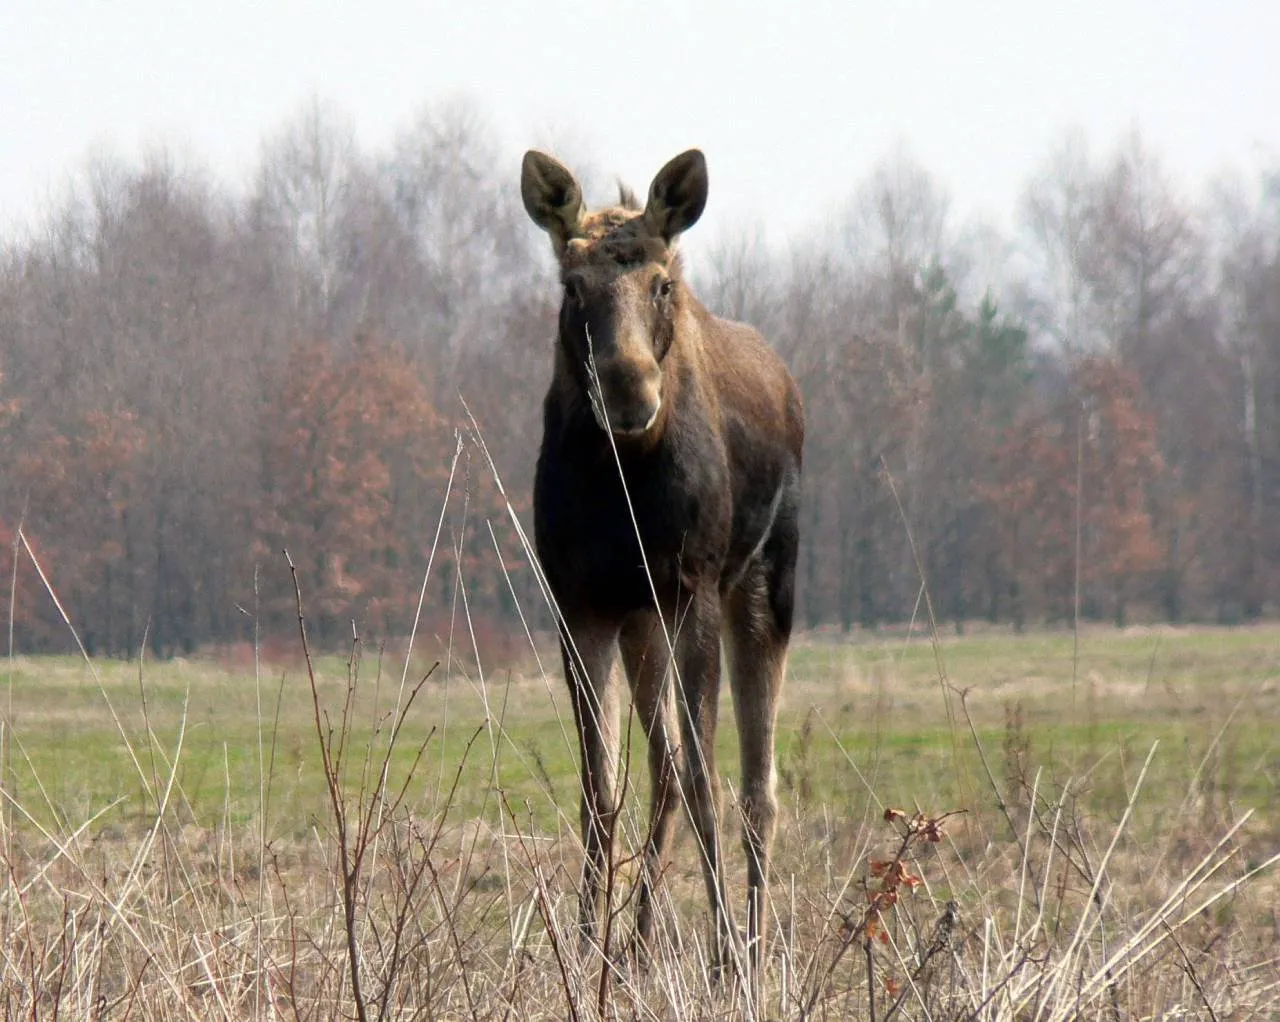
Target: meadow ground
[172, 849]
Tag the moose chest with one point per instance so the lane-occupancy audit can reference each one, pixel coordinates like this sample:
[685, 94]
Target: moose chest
[586, 534]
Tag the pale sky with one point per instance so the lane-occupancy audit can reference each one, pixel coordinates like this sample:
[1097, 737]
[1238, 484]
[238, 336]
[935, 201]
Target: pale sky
[792, 100]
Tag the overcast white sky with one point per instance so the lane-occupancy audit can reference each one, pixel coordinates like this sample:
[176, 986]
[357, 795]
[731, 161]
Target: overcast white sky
[792, 100]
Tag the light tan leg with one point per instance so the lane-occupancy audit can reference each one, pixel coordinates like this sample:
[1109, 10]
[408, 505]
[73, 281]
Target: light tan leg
[698, 688]
[756, 641]
[588, 663]
[646, 658]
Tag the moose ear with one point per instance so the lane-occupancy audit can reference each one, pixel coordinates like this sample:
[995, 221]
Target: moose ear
[677, 196]
[552, 196]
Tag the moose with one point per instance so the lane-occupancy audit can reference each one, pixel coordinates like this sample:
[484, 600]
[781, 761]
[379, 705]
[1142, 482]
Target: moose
[666, 518]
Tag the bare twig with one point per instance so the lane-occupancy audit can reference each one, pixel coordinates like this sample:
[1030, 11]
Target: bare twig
[350, 875]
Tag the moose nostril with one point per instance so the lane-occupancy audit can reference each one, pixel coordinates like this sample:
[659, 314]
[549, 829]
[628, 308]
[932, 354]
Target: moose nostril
[638, 414]
[637, 417]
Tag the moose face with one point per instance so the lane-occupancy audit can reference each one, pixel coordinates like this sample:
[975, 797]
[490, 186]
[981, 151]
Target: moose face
[623, 296]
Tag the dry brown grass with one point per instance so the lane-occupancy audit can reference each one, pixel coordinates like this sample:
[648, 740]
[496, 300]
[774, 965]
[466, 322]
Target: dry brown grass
[1042, 901]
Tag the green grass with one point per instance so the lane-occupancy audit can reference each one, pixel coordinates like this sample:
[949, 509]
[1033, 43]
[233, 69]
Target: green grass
[877, 727]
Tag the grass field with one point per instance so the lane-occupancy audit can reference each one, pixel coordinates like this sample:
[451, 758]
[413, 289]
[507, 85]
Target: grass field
[172, 848]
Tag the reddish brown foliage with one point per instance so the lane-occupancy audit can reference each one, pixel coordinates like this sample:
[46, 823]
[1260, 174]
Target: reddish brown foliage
[81, 487]
[353, 448]
[1090, 462]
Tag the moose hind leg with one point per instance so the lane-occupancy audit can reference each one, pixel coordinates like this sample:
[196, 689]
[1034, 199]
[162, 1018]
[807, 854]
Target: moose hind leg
[758, 629]
[588, 664]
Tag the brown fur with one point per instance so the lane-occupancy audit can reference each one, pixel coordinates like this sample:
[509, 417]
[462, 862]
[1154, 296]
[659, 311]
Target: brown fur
[707, 427]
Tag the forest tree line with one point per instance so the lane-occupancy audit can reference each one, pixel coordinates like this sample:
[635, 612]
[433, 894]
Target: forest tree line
[1082, 413]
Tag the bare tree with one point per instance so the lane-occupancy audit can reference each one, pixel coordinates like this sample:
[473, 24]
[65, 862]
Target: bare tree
[304, 188]
[470, 241]
[1057, 215]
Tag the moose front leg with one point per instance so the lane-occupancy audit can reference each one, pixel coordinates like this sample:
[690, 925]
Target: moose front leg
[697, 631]
[647, 657]
[589, 650]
